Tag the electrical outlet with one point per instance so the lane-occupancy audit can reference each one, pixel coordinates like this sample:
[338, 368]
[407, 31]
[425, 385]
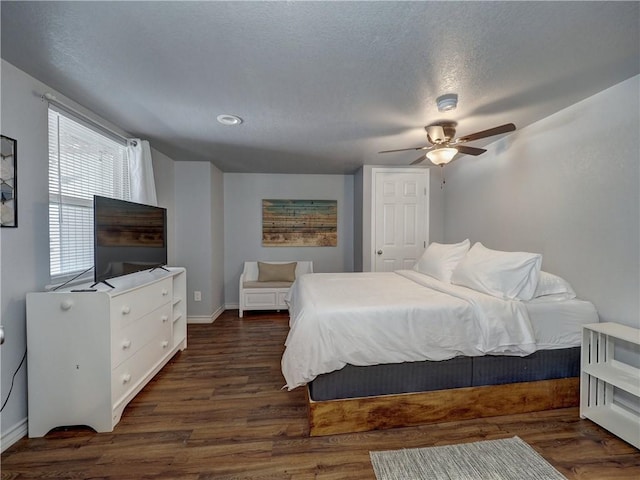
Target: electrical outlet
[197, 295]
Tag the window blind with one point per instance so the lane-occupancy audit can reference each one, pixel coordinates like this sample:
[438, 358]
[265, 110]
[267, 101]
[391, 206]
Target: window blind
[83, 162]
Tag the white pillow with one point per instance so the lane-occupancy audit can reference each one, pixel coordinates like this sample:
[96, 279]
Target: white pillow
[506, 275]
[550, 285]
[439, 259]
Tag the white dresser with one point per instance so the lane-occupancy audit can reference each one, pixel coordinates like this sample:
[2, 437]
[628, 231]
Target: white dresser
[90, 353]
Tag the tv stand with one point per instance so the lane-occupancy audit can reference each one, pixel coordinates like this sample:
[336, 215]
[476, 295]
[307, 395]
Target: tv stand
[102, 281]
[90, 355]
[160, 267]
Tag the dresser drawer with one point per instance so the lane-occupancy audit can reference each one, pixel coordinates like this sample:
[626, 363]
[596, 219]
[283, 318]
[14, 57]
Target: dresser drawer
[132, 305]
[128, 340]
[135, 369]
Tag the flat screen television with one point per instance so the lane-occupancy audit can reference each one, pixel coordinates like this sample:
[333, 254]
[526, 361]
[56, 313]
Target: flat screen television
[128, 237]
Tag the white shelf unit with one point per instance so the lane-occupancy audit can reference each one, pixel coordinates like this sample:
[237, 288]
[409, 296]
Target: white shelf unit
[91, 352]
[603, 373]
[179, 308]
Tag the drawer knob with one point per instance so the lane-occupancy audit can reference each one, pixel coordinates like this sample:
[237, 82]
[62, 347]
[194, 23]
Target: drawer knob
[164, 319]
[165, 344]
[126, 344]
[126, 309]
[165, 292]
[66, 305]
[126, 378]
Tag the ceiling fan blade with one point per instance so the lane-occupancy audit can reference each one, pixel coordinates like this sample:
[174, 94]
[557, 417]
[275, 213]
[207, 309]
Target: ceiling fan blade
[419, 160]
[405, 149]
[463, 149]
[507, 127]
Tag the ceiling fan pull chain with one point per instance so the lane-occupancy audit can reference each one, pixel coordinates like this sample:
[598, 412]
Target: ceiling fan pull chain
[442, 181]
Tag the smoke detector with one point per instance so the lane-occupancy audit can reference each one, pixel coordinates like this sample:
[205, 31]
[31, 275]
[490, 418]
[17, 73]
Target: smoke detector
[447, 102]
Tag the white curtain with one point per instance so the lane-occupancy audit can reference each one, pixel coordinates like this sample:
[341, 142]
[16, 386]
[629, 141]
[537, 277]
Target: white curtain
[143, 187]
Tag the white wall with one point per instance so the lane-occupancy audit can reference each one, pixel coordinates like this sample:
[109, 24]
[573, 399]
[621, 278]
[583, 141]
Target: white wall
[568, 187]
[243, 195]
[199, 241]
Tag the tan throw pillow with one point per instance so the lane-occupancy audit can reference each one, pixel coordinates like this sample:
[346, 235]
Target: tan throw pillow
[276, 272]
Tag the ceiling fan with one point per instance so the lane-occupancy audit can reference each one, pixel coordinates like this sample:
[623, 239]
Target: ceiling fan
[444, 146]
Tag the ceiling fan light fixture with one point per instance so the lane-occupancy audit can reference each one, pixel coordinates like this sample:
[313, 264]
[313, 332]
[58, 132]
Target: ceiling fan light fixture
[442, 156]
[447, 102]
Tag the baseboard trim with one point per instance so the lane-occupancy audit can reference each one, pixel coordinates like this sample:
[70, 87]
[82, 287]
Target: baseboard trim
[232, 306]
[15, 433]
[206, 318]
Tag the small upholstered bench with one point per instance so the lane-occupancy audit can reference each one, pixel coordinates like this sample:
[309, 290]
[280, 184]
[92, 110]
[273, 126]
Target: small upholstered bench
[264, 285]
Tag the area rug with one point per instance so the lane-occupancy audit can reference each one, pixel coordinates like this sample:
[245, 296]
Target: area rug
[506, 459]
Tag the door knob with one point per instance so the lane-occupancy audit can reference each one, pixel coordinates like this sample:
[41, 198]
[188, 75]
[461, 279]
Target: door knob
[379, 252]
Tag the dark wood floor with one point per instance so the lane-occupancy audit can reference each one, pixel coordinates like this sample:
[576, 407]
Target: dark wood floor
[217, 411]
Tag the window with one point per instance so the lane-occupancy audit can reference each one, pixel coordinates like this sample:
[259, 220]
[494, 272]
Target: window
[83, 162]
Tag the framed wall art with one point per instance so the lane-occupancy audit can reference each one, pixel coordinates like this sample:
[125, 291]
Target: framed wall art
[299, 223]
[8, 182]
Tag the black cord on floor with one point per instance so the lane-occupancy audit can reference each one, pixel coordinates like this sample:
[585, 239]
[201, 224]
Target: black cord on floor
[13, 378]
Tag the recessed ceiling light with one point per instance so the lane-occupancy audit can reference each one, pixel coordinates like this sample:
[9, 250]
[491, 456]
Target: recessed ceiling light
[226, 119]
[447, 102]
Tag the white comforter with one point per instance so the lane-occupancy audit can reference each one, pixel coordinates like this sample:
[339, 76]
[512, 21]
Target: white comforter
[404, 316]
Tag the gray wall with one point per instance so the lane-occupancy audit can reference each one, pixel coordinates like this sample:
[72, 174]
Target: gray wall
[24, 263]
[567, 187]
[24, 256]
[358, 222]
[199, 236]
[436, 205]
[163, 172]
[217, 240]
[243, 195]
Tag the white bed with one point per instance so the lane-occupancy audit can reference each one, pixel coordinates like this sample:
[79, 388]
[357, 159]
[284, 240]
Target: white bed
[470, 332]
[558, 324]
[406, 316]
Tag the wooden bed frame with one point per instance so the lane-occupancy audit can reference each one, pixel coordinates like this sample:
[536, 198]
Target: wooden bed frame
[410, 409]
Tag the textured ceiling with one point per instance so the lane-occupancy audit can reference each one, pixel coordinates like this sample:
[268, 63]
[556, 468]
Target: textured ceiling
[321, 86]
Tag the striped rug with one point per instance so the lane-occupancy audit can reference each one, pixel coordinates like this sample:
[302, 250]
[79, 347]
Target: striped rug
[506, 459]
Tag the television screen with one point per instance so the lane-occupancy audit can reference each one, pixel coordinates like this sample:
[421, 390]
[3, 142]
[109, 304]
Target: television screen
[128, 237]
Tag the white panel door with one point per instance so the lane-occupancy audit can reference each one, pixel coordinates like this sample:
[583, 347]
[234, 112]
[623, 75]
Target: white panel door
[400, 219]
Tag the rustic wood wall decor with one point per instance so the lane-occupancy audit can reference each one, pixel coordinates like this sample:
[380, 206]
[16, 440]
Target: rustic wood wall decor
[299, 223]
